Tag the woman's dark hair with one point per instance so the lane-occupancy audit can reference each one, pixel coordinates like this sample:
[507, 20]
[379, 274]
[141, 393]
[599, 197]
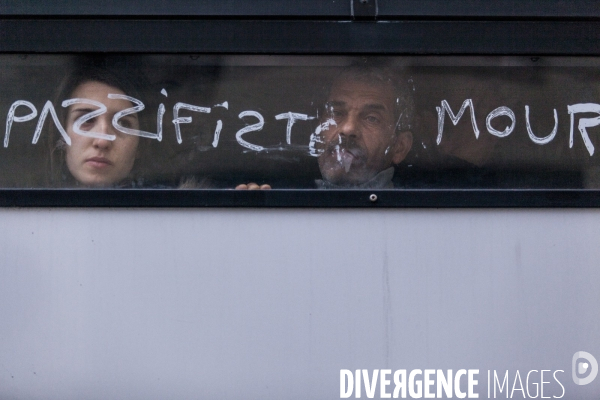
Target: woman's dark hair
[126, 79]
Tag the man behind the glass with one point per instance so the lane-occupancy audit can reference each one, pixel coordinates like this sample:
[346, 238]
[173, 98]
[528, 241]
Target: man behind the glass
[365, 129]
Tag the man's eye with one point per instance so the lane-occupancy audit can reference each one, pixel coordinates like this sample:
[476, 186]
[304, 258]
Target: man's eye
[372, 119]
[337, 113]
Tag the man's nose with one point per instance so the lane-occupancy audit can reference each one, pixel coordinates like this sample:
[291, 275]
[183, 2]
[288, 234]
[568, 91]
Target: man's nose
[349, 127]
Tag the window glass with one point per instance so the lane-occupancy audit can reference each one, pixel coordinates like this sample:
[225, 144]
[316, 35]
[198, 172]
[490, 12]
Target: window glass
[299, 122]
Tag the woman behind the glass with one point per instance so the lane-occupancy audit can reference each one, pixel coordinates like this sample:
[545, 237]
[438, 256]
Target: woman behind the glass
[93, 161]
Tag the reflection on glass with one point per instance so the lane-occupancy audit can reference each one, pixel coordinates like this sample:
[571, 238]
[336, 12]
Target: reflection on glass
[175, 121]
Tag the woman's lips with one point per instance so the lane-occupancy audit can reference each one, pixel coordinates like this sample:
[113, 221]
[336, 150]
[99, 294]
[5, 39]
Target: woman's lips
[98, 162]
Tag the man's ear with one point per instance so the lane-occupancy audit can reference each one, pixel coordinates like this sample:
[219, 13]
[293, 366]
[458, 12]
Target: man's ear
[402, 146]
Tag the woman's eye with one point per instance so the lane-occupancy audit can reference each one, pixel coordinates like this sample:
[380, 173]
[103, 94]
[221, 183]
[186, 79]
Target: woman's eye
[87, 125]
[126, 123]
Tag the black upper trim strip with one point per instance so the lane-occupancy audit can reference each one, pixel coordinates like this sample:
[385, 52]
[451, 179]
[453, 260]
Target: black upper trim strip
[318, 37]
[302, 9]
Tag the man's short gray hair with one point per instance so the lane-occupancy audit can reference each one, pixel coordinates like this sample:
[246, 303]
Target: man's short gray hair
[402, 87]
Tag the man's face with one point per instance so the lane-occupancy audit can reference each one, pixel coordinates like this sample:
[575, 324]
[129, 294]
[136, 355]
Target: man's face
[363, 141]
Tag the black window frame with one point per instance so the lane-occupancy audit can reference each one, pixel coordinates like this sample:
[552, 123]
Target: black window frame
[311, 27]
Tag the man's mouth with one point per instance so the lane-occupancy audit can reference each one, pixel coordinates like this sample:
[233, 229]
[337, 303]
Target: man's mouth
[345, 156]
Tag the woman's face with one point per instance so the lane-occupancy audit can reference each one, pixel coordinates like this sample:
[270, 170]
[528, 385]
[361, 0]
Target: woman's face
[100, 162]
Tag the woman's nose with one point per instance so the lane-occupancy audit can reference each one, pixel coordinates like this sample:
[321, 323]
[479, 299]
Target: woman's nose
[102, 143]
[103, 125]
